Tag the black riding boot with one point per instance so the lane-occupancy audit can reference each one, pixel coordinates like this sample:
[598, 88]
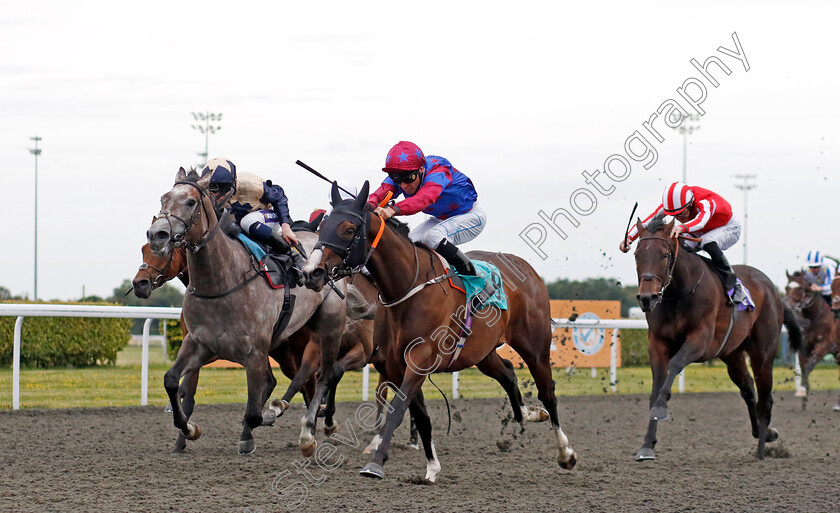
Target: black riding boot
[456, 258]
[279, 245]
[720, 261]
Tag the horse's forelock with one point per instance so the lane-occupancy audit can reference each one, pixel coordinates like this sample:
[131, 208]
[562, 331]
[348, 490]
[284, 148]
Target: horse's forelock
[656, 224]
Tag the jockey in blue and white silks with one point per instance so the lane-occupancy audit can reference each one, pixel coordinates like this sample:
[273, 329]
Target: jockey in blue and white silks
[819, 272]
[260, 207]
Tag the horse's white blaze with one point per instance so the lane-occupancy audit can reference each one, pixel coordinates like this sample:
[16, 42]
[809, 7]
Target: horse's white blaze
[433, 465]
[373, 446]
[793, 285]
[565, 450]
[313, 261]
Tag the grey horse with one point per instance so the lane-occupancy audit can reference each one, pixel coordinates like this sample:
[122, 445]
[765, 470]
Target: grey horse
[231, 313]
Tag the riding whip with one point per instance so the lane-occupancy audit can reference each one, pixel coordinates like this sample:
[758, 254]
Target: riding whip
[629, 221]
[322, 177]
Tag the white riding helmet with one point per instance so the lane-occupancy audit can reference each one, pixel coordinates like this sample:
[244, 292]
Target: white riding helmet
[346, 190]
[814, 259]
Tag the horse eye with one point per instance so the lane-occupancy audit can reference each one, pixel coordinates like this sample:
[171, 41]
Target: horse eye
[190, 202]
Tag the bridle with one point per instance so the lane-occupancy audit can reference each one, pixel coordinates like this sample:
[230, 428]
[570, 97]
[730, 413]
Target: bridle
[161, 277]
[673, 257]
[179, 240]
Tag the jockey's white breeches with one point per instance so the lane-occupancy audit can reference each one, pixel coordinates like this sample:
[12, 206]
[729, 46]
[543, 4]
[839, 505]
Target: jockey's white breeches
[726, 236]
[458, 229]
[267, 217]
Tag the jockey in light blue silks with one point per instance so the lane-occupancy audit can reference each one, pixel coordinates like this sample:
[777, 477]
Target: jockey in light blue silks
[433, 185]
[819, 272]
[259, 207]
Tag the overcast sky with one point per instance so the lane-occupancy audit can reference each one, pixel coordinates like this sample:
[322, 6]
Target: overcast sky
[521, 96]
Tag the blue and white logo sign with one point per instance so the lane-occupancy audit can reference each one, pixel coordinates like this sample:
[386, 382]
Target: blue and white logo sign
[588, 340]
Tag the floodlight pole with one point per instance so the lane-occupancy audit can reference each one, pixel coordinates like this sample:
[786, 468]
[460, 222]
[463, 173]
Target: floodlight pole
[36, 151]
[207, 128]
[688, 125]
[746, 187]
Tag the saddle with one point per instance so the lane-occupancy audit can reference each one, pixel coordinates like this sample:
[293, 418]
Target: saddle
[748, 303]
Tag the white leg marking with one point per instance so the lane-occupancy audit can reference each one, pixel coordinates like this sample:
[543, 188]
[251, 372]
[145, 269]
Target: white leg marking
[306, 437]
[373, 445]
[565, 450]
[433, 465]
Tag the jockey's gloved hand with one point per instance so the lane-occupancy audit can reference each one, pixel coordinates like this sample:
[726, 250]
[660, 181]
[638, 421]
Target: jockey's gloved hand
[677, 230]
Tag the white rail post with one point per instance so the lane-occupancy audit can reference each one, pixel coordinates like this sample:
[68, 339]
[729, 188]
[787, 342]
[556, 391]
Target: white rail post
[16, 366]
[614, 360]
[365, 382]
[455, 394]
[144, 372]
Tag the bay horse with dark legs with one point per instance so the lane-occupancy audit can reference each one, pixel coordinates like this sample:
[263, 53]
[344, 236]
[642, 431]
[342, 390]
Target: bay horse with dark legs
[232, 312]
[822, 328]
[419, 330]
[689, 320]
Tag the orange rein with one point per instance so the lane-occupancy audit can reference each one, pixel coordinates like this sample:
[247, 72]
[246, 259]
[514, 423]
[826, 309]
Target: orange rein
[385, 200]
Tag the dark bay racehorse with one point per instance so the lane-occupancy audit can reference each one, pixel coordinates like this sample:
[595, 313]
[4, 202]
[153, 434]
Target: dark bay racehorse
[689, 321]
[231, 312]
[822, 328]
[419, 331]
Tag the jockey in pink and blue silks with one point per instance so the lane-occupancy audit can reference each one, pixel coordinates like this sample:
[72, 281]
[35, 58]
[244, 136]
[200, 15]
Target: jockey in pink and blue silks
[432, 185]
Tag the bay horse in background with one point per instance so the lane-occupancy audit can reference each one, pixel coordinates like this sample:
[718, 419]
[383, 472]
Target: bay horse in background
[821, 326]
[417, 327]
[233, 315]
[690, 320]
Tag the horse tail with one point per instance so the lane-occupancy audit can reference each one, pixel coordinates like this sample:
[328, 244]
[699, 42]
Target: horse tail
[795, 336]
[358, 307]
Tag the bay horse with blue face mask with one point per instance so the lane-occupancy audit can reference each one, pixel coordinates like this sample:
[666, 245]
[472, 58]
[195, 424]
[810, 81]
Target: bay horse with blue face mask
[690, 320]
[234, 314]
[418, 328]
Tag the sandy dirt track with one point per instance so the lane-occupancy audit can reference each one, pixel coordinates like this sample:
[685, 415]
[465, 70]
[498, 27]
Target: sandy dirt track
[118, 460]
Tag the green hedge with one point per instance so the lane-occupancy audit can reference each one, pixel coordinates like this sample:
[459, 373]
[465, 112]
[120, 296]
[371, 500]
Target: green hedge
[62, 341]
[634, 348]
[174, 337]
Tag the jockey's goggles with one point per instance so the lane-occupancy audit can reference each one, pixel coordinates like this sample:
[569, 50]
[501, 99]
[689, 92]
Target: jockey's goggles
[403, 177]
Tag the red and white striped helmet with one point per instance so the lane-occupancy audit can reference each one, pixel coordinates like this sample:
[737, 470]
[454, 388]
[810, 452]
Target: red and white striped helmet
[676, 198]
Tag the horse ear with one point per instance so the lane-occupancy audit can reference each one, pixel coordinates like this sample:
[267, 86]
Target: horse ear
[336, 197]
[787, 274]
[181, 175]
[639, 226]
[361, 199]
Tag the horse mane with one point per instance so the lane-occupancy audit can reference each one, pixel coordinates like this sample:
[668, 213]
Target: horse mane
[398, 226]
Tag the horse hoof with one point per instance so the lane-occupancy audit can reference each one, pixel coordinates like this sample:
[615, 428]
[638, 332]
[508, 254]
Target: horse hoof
[801, 392]
[659, 413]
[269, 416]
[247, 447]
[645, 454]
[373, 470]
[772, 435]
[193, 431]
[309, 449]
[329, 430]
[836, 407]
[413, 445]
[278, 406]
[568, 464]
[180, 445]
[168, 408]
[322, 411]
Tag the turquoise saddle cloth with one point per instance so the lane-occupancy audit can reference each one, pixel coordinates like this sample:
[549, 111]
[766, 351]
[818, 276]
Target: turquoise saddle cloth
[475, 284]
